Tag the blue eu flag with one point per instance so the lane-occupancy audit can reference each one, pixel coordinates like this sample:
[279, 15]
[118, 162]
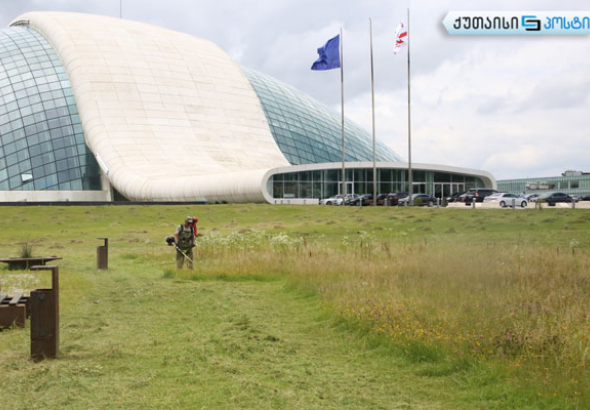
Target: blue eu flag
[329, 55]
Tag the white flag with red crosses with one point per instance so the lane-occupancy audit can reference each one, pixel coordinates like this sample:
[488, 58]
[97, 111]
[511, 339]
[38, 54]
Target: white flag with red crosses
[401, 36]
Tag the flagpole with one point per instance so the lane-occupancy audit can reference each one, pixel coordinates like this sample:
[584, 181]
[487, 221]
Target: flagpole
[342, 100]
[410, 179]
[373, 114]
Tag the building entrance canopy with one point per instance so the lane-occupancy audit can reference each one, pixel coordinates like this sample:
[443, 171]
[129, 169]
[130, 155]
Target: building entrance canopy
[320, 181]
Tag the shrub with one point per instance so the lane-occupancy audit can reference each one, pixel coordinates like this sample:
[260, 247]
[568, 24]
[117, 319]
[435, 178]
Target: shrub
[26, 250]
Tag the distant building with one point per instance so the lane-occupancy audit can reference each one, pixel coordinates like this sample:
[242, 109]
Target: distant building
[94, 108]
[570, 173]
[571, 183]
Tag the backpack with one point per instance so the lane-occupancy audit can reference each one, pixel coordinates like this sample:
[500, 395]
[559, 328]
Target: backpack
[182, 228]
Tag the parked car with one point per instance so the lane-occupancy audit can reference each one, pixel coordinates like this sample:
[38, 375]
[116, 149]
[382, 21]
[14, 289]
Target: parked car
[454, 197]
[419, 200]
[382, 199]
[424, 200]
[395, 197]
[532, 197]
[335, 200]
[585, 198]
[349, 198]
[505, 199]
[478, 194]
[363, 200]
[552, 198]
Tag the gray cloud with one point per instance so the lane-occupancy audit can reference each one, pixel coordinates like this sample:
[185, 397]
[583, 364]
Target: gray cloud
[492, 105]
[552, 95]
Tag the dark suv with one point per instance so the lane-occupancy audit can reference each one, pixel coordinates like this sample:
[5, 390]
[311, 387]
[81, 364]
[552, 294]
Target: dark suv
[478, 194]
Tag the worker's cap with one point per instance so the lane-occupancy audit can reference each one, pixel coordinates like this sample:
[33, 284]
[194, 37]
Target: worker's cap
[189, 219]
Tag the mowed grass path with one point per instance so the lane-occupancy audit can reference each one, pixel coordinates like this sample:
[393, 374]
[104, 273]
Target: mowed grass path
[140, 336]
[140, 342]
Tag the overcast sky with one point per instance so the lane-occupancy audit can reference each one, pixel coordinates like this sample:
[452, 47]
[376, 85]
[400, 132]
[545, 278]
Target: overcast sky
[513, 106]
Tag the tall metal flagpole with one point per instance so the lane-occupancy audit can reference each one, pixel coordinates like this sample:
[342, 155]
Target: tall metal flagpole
[410, 179]
[342, 99]
[373, 106]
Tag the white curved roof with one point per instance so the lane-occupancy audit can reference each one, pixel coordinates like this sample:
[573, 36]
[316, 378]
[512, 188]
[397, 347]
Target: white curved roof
[169, 116]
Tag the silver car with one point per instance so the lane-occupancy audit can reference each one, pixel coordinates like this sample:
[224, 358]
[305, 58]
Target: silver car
[335, 200]
[505, 199]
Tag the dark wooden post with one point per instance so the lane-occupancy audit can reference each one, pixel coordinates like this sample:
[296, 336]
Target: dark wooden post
[102, 255]
[45, 318]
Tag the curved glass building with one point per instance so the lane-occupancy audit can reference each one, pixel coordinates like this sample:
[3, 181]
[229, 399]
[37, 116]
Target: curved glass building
[94, 108]
[306, 131]
[41, 139]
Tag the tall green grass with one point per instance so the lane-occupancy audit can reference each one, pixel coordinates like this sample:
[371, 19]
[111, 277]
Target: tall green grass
[521, 307]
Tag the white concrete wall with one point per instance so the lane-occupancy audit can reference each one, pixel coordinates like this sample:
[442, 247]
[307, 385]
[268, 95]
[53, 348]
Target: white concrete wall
[54, 196]
[171, 116]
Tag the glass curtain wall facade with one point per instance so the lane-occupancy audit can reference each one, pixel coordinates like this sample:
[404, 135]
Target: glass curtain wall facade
[571, 185]
[326, 183]
[306, 131]
[41, 140]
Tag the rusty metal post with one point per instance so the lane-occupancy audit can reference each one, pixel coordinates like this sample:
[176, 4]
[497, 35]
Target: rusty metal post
[45, 318]
[13, 310]
[102, 255]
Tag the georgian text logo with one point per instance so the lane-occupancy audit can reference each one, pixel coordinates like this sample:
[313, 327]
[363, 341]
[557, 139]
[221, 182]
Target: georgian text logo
[494, 23]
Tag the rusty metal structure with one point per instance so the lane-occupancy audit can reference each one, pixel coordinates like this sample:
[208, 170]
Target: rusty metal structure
[13, 310]
[42, 306]
[45, 318]
[102, 255]
[26, 263]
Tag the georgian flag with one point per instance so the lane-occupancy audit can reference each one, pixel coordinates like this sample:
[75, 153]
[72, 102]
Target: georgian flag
[401, 34]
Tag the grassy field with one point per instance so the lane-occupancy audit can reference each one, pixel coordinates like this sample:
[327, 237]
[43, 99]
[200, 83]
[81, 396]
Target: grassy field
[308, 307]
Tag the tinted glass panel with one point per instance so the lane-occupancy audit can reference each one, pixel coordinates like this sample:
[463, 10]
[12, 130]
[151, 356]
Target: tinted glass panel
[34, 118]
[299, 121]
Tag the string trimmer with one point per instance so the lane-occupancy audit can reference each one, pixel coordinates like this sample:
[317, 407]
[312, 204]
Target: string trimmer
[170, 241]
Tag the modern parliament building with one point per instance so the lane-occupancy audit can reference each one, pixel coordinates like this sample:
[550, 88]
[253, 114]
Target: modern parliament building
[94, 108]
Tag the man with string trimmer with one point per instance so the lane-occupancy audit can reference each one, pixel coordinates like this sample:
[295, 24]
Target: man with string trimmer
[184, 242]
